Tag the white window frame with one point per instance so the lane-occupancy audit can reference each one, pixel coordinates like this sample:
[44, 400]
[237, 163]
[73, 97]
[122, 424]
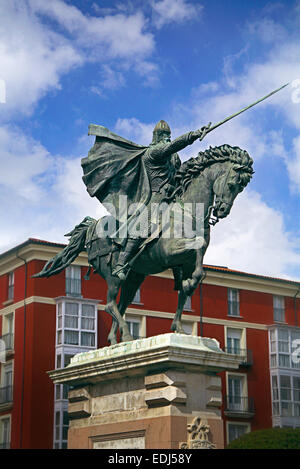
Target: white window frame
[2, 419]
[190, 326]
[60, 324]
[236, 423]
[280, 350]
[285, 395]
[244, 386]
[279, 308]
[11, 286]
[6, 368]
[60, 407]
[242, 332]
[230, 302]
[131, 320]
[73, 274]
[8, 325]
[137, 297]
[134, 316]
[62, 349]
[188, 304]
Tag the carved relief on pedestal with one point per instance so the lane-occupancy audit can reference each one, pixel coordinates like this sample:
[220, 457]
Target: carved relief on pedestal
[198, 435]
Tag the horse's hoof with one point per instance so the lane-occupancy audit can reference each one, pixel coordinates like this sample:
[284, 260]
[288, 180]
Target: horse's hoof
[127, 338]
[187, 287]
[113, 341]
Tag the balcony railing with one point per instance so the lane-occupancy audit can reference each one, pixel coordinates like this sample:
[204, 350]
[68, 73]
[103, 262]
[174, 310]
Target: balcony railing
[6, 394]
[8, 339]
[239, 406]
[245, 355]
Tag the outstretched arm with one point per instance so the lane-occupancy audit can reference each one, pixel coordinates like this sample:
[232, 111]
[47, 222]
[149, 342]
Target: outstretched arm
[161, 151]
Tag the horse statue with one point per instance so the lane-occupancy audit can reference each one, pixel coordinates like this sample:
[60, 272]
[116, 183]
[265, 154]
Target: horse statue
[214, 178]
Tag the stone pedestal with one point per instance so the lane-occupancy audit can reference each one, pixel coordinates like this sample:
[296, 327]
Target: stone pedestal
[162, 392]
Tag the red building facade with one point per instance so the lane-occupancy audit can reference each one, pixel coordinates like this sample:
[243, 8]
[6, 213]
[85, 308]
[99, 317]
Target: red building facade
[43, 322]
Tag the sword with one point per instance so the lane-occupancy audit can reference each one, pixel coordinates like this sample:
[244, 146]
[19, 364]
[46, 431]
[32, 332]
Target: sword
[244, 109]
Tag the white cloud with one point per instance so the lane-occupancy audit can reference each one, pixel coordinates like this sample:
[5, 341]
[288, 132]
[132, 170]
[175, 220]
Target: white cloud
[174, 11]
[117, 36]
[42, 195]
[34, 55]
[293, 165]
[22, 160]
[253, 238]
[32, 58]
[135, 130]
[267, 30]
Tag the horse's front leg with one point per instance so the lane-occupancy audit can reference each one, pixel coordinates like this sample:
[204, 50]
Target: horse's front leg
[112, 336]
[189, 285]
[176, 324]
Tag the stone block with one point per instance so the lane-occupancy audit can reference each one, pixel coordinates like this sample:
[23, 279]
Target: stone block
[168, 378]
[165, 396]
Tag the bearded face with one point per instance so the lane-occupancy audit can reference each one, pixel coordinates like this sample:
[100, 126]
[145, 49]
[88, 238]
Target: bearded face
[161, 137]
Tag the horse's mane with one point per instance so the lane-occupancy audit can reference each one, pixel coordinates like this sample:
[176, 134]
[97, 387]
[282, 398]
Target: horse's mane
[194, 166]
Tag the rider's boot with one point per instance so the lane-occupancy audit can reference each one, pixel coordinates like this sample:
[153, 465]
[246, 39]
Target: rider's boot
[121, 269]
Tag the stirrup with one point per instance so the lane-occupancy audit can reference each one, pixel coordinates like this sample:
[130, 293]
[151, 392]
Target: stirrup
[121, 272]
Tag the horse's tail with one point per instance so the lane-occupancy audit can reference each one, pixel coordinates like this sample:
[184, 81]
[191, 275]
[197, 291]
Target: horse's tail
[76, 244]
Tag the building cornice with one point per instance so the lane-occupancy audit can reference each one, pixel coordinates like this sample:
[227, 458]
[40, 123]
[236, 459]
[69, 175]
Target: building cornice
[137, 312]
[33, 249]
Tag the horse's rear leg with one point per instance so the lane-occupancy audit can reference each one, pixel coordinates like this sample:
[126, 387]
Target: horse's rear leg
[112, 308]
[176, 325]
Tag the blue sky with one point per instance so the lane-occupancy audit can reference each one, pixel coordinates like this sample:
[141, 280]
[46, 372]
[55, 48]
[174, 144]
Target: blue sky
[128, 64]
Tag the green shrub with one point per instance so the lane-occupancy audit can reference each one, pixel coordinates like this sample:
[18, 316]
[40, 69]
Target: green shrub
[271, 438]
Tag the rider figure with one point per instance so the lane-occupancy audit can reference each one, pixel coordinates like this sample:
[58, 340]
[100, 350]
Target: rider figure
[161, 161]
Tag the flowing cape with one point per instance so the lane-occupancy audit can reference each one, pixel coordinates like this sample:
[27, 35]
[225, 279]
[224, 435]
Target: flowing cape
[114, 167]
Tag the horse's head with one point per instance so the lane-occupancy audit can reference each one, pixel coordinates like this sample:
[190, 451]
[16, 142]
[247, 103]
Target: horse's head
[230, 170]
[232, 180]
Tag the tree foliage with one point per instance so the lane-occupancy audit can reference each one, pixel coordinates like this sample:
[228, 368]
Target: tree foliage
[271, 438]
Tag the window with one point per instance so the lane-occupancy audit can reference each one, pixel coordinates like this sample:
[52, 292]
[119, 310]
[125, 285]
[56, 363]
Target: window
[134, 327]
[233, 302]
[5, 433]
[8, 330]
[73, 281]
[6, 383]
[234, 341]
[76, 332]
[76, 324]
[61, 425]
[284, 343]
[187, 327]
[235, 430]
[11, 284]
[88, 317]
[235, 393]
[188, 304]
[278, 308]
[137, 296]
[71, 316]
[286, 395]
[296, 395]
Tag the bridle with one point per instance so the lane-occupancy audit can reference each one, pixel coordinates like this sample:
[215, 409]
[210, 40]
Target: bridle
[214, 220]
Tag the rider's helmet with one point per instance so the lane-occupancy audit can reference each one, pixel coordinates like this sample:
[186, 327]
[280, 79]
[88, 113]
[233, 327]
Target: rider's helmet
[161, 132]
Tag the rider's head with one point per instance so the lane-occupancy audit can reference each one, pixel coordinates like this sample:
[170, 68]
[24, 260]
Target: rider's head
[161, 132]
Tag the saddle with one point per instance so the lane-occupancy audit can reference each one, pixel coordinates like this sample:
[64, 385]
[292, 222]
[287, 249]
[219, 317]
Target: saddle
[98, 241]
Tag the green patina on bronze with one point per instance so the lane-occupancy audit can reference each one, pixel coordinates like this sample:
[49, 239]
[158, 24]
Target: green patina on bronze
[152, 174]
